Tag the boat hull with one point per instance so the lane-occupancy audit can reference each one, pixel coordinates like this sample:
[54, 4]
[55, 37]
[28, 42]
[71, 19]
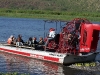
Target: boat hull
[60, 58]
[71, 59]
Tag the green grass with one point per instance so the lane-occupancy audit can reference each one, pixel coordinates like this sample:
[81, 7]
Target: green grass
[58, 15]
[58, 5]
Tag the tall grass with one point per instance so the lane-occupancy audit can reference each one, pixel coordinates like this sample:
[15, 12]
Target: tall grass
[60, 15]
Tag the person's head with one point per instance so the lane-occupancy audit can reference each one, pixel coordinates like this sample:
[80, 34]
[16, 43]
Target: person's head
[19, 36]
[11, 36]
[34, 38]
[64, 29]
[51, 29]
[30, 38]
[41, 38]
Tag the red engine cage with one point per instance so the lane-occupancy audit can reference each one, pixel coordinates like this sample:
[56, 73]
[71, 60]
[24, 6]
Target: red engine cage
[88, 32]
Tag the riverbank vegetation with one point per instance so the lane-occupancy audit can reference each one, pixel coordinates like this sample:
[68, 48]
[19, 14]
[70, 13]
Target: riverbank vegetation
[51, 9]
[58, 15]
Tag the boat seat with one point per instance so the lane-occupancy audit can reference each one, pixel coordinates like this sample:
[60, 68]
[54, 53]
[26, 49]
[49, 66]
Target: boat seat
[56, 38]
[26, 47]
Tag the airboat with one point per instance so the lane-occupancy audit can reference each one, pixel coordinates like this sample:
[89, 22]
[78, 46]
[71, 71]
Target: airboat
[76, 42]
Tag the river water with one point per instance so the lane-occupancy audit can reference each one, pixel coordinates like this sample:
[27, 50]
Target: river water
[23, 65]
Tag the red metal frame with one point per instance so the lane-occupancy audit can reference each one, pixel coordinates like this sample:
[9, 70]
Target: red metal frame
[75, 26]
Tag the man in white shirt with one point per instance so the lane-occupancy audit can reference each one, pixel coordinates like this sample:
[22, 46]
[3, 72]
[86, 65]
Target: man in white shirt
[52, 32]
[51, 35]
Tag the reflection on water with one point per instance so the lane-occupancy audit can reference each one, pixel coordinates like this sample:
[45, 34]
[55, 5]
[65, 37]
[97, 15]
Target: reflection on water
[14, 63]
[22, 65]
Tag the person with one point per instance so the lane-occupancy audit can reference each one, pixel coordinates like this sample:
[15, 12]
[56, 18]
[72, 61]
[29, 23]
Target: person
[51, 33]
[29, 42]
[10, 40]
[41, 42]
[19, 41]
[14, 41]
[34, 42]
[51, 36]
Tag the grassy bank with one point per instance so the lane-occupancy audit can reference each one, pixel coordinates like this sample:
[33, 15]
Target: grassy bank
[58, 15]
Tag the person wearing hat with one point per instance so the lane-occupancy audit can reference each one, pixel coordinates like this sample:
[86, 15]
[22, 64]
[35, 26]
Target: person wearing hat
[51, 35]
